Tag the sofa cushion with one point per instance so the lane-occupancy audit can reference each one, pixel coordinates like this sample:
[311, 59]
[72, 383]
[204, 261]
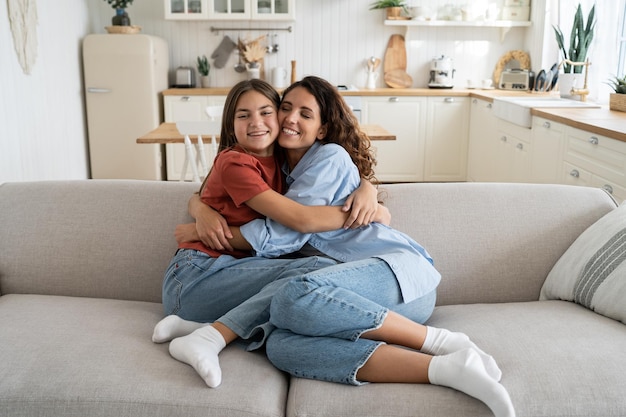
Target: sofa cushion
[71, 356]
[592, 272]
[557, 359]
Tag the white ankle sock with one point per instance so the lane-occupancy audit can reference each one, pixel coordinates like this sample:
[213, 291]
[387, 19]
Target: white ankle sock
[200, 349]
[172, 327]
[464, 371]
[442, 341]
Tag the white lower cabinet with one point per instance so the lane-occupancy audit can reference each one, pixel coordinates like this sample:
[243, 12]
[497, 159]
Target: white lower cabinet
[594, 161]
[447, 125]
[402, 159]
[547, 150]
[513, 150]
[186, 108]
[481, 155]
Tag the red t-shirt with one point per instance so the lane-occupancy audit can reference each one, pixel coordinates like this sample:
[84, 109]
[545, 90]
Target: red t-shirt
[236, 177]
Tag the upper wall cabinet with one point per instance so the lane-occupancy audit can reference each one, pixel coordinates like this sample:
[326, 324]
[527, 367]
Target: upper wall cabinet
[230, 9]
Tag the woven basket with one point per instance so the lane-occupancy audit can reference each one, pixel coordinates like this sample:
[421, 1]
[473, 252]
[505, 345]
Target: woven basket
[123, 29]
[617, 102]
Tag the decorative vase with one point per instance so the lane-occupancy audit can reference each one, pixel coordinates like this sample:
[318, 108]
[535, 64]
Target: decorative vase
[568, 81]
[204, 81]
[393, 13]
[121, 18]
[617, 102]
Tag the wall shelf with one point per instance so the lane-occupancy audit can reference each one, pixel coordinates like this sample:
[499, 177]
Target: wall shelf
[503, 25]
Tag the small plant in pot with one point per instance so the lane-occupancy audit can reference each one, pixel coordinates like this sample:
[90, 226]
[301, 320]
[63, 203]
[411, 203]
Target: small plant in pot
[617, 100]
[393, 8]
[203, 68]
[580, 39]
[121, 17]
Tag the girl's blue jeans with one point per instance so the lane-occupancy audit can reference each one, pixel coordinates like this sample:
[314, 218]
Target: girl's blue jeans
[319, 318]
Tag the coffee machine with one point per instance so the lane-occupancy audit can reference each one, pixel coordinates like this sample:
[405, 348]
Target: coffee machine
[441, 73]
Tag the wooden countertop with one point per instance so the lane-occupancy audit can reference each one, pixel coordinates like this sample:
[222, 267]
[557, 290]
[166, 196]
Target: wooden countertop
[602, 121]
[168, 133]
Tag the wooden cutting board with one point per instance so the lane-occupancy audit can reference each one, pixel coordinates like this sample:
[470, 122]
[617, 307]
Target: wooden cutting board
[395, 55]
[398, 78]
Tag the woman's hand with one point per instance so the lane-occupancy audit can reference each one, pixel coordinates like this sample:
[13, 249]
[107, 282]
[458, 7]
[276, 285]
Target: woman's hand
[186, 233]
[211, 228]
[383, 215]
[362, 205]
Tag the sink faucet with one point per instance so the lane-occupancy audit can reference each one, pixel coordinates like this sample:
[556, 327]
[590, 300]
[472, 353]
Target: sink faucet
[582, 92]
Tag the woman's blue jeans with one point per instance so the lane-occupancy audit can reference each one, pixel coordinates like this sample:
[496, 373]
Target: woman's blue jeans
[320, 316]
[235, 292]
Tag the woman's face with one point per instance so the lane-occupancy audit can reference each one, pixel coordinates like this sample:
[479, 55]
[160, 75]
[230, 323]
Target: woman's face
[256, 125]
[300, 121]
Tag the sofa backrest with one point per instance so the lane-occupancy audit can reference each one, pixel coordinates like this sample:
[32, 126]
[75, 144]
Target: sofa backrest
[114, 238]
[494, 242]
[91, 238]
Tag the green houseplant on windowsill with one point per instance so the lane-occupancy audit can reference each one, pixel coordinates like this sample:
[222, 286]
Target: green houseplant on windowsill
[617, 100]
[393, 8]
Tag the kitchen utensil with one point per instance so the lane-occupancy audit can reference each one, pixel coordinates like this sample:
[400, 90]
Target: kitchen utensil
[371, 80]
[540, 81]
[395, 55]
[555, 75]
[548, 83]
[293, 71]
[398, 78]
[239, 66]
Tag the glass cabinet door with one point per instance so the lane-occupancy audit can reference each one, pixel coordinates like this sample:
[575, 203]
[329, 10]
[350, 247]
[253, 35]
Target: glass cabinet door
[186, 9]
[273, 9]
[230, 9]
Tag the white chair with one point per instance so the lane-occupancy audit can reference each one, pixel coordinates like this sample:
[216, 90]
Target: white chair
[200, 128]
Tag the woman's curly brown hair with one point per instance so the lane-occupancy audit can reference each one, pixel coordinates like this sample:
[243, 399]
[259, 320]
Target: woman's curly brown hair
[341, 123]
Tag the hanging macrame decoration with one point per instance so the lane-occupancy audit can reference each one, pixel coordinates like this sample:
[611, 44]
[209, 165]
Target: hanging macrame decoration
[23, 20]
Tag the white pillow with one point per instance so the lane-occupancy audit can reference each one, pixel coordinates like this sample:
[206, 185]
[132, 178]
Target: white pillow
[592, 272]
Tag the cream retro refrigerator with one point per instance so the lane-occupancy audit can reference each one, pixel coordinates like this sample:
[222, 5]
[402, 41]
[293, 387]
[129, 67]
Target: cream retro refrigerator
[124, 77]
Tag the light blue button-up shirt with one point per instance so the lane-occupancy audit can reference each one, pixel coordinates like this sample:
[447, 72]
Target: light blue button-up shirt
[327, 176]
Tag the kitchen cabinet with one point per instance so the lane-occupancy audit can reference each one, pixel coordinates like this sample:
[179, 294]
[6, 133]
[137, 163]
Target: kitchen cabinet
[186, 108]
[481, 155]
[230, 9]
[186, 9]
[512, 153]
[400, 160]
[446, 140]
[595, 161]
[546, 153]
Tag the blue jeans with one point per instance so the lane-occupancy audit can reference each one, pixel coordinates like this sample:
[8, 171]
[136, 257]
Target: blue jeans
[319, 318]
[235, 292]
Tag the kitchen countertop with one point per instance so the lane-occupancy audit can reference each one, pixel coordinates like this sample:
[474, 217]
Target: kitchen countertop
[601, 121]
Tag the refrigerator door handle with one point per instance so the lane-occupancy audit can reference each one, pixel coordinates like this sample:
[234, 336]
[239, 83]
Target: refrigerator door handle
[98, 90]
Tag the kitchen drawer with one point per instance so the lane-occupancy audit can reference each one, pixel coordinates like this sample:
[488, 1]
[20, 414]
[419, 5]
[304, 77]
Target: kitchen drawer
[573, 175]
[598, 154]
[511, 129]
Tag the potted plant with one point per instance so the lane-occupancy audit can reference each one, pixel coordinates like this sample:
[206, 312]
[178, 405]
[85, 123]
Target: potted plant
[618, 99]
[393, 8]
[579, 42]
[121, 17]
[203, 68]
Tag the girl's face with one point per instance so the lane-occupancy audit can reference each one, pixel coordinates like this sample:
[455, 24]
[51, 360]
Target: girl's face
[256, 124]
[300, 120]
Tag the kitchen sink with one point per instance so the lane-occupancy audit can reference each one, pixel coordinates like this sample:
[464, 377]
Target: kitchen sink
[517, 109]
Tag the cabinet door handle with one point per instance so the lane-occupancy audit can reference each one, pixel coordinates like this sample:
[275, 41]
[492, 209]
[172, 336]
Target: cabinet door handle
[449, 100]
[185, 98]
[520, 146]
[394, 99]
[489, 105]
[98, 90]
[503, 138]
[593, 140]
[474, 101]
[574, 173]
[608, 188]
[546, 125]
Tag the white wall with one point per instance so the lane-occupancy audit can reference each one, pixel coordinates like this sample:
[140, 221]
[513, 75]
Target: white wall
[42, 126]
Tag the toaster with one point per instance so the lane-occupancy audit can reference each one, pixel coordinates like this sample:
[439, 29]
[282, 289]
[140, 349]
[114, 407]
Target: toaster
[185, 77]
[514, 79]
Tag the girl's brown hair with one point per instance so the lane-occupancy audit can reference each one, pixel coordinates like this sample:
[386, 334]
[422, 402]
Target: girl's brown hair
[342, 126]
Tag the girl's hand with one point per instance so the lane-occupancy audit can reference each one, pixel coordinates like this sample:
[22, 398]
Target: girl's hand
[212, 229]
[383, 215]
[186, 233]
[362, 205]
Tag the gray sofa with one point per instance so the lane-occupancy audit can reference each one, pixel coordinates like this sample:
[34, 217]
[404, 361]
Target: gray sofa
[81, 264]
